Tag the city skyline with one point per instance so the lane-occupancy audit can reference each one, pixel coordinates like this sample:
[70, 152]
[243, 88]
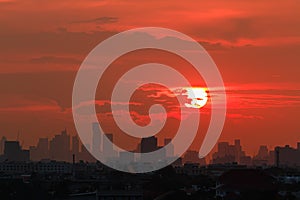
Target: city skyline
[62, 147]
[292, 144]
[144, 100]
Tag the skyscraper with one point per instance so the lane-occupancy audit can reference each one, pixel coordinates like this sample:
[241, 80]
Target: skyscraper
[262, 158]
[193, 157]
[287, 157]
[60, 147]
[43, 147]
[75, 145]
[14, 152]
[41, 151]
[229, 153]
[85, 154]
[2, 141]
[263, 152]
[148, 144]
[96, 143]
[108, 150]
[170, 151]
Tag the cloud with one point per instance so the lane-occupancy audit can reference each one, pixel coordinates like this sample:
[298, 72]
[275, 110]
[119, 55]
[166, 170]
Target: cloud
[239, 116]
[27, 103]
[250, 98]
[52, 43]
[99, 20]
[56, 86]
[54, 60]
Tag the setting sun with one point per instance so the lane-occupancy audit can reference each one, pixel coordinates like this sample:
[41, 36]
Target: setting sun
[197, 95]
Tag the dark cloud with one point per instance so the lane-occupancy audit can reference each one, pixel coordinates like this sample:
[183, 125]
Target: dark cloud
[99, 20]
[54, 60]
[55, 86]
[57, 42]
[240, 28]
[229, 29]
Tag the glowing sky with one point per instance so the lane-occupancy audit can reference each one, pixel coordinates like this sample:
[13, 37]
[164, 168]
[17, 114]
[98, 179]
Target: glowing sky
[256, 46]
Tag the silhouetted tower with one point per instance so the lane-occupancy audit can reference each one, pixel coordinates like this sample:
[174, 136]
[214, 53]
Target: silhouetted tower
[2, 141]
[277, 156]
[75, 145]
[60, 147]
[108, 146]
[148, 144]
[170, 151]
[14, 152]
[96, 143]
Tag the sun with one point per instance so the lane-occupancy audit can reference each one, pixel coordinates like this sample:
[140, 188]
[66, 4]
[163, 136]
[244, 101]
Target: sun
[198, 97]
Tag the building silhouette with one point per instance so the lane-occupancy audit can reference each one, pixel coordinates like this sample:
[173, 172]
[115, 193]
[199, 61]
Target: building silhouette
[41, 151]
[2, 141]
[170, 151]
[227, 153]
[14, 152]
[75, 146]
[148, 144]
[96, 143]
[263, 157]
[60, 147]
[287, 156]
[108, 152]
[193, 157]
[85, 155]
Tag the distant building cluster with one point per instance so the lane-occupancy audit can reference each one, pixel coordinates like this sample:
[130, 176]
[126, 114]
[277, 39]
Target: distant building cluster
[231, 174]
[280, 156]
[13, 151]
[287, 156]
[62, 147]
[59, 149]
[230, 154]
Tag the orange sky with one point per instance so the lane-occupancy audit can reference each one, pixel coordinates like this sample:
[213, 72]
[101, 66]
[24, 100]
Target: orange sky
[256, 46]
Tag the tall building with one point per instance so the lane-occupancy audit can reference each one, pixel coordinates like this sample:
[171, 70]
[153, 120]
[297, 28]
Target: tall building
[96, 143]
[263, 152]
[14, 152]
[41, 151]
[227, 153]
[43, 146]
[2, 141]
[193, 157]
[85, 154]
[170, 152]
[108, 150]
[149, 144]
[287, 156]
[238, 150]
[272, 155]
[60, 147]
[75, 146]
[263, 156]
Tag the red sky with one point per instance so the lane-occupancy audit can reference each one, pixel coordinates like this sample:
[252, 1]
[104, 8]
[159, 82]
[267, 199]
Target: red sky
[256, 46]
